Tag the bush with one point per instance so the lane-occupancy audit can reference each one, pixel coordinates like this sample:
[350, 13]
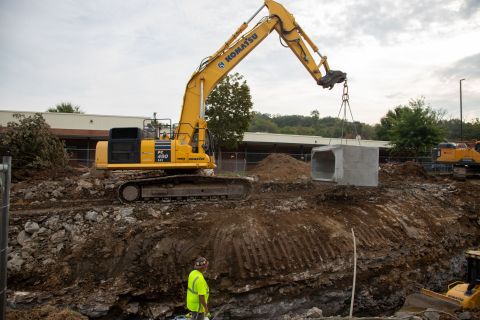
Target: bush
[31, 144]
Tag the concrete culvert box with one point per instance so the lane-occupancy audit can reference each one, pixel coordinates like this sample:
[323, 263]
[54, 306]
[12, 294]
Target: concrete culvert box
[345, 165]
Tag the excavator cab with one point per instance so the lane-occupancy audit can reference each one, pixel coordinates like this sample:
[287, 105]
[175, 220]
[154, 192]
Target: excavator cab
[158, 129]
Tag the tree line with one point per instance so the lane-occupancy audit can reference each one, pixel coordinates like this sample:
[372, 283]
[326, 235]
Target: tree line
[413, 128]
[312, 125]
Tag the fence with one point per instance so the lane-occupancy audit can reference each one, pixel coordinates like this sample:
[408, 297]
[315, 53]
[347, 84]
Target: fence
[5, 176]
[81, 156]
[241, 162]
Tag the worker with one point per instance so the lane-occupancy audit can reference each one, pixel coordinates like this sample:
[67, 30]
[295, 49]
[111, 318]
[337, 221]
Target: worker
[198, 291]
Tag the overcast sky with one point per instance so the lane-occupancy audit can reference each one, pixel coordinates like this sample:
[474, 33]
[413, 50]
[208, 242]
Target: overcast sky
[135, 57]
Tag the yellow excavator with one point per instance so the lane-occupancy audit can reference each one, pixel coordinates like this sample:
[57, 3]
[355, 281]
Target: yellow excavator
[183, 149]
[460, 295]
[465, 159]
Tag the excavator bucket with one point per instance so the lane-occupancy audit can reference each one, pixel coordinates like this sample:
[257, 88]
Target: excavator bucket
[427, 299]
[460, 295]
[331, 78]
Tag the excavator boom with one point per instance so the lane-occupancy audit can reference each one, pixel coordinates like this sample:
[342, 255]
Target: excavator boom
[214, 68]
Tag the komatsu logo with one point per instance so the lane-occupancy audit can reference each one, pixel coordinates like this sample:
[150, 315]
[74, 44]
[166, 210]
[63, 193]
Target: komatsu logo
[241, 47]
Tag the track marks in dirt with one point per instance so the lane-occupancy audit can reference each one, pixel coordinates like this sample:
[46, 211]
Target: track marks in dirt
[260, 253]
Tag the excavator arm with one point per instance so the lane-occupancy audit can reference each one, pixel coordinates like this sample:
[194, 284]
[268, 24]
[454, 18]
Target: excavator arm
[214, 68]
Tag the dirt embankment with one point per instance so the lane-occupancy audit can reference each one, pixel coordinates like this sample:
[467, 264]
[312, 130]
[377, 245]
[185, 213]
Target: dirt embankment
[409, 170]
[285, 250]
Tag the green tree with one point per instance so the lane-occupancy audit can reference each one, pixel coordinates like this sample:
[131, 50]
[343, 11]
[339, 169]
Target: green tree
[65, 107]
[415, 130]
[263, 123]
[383, 130]
[471, 130]
[228, 111]
[31, 144]
[288, 130]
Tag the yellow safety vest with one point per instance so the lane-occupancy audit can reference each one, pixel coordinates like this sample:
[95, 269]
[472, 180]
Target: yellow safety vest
[197, 286]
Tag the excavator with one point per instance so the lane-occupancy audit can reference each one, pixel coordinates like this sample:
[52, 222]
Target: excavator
[460, 295]
[182, 150]
[465, 159]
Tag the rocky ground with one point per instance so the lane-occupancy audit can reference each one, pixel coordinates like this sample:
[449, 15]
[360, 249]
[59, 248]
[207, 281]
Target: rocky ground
[282, 253]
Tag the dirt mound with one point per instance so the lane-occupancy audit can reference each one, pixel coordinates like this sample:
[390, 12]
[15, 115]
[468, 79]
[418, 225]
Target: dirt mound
[281, 167]
[401, 171]
[45, 313]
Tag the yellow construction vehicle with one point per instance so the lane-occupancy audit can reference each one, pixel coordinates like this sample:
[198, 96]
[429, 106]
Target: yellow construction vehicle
[460, 295]
[465, 160]
[188, 146]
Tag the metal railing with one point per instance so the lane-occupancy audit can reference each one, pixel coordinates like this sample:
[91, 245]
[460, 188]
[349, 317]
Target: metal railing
[5, 180]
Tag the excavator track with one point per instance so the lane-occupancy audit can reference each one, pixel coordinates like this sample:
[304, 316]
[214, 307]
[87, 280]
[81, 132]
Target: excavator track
[184, 188]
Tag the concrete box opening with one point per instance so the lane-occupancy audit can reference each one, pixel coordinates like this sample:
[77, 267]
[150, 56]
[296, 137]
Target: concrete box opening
[323, 166]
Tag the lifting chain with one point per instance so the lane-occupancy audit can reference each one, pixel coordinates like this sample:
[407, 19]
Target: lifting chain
[346, 104]
[345, 96]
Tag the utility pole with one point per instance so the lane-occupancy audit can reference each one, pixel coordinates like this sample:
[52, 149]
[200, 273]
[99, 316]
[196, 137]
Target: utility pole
[461, 112]
[5, 176]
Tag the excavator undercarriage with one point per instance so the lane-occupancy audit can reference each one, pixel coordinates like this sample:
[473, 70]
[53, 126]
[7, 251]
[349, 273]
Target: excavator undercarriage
[184, 188]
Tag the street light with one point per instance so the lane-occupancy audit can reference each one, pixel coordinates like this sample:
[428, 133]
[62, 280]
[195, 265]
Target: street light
[461, 115]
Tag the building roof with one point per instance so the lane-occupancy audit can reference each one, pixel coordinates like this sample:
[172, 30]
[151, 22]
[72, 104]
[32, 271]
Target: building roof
[77, 121]
[291, 139]
[97, 126]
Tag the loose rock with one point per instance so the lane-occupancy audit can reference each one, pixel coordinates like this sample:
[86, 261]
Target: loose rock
[91, 216]
[31, 227]
[58, 236]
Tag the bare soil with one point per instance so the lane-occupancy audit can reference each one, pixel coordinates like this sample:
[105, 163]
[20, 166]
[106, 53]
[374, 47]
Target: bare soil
[281, 167]
[399, 171]
[45, 312]
[283, 251]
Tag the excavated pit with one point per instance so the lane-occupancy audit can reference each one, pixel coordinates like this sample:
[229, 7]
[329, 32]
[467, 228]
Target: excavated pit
[284, 251]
